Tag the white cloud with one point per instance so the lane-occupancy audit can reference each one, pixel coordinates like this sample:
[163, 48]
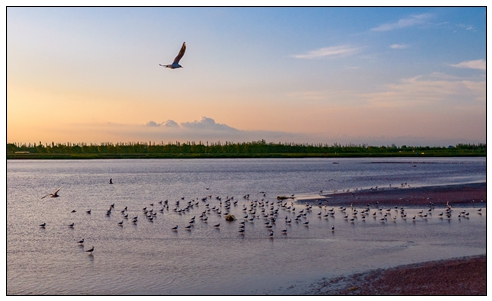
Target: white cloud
[399, 46]
[117, 132]
[343, 50]
[205, 129]
[168, 124]
[476, 64]
[152, 123]
[406, 22]
[171, 124]
[207, 124]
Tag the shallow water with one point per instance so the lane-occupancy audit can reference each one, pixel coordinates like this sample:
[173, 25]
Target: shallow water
[149, 258]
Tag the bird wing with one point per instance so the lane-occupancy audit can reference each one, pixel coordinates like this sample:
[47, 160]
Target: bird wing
[56, 192]
[52, 194]
[181, 53]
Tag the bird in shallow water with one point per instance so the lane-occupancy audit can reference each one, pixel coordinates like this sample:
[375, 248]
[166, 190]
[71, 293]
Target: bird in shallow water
[81, 241]
[43, 225]
[90, 250]
[175, 63]
[54, 194]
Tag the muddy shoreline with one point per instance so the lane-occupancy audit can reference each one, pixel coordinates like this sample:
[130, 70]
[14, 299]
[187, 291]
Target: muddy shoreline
[458, 276]
[474, 194]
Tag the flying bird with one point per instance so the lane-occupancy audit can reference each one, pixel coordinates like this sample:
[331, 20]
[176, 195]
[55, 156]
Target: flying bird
[176, 64]
[54, 194]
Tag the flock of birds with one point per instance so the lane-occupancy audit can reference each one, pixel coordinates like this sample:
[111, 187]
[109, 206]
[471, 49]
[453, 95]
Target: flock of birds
[270, 213]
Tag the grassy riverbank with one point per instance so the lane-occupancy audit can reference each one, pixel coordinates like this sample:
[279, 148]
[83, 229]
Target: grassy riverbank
[31, 156]
[258, 149]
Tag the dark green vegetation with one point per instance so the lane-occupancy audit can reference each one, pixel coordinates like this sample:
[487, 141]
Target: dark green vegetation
[256, 149]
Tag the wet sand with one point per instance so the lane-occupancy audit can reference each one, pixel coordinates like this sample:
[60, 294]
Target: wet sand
[460, 276]
[463, 195]
[457, 276]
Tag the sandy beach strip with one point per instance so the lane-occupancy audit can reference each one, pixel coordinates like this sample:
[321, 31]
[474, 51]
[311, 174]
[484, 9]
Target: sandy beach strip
[459, 276]
[474, 194]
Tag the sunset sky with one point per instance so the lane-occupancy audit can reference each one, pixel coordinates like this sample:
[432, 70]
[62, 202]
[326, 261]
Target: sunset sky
[378, 76]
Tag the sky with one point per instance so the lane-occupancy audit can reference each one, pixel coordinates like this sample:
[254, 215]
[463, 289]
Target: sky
[347, 75]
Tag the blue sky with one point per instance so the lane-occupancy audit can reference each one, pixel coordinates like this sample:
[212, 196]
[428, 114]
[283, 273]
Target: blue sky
[284, 74]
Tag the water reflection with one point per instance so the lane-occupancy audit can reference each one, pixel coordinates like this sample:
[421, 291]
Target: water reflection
[147, 257]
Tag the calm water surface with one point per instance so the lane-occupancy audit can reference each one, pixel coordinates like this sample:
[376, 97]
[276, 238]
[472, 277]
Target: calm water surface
[149, 258]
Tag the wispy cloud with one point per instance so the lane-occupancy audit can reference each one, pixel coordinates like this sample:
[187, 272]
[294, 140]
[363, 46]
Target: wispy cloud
[343, 50]
[465, 27]
[476, 64]
[406, 22]
[428, 91]
[399, 46]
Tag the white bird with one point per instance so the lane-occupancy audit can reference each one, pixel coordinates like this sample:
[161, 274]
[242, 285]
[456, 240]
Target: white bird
[54, 194]
[176, 64]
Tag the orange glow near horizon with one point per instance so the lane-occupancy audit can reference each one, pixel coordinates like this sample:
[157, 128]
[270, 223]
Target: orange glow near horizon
[74, 76]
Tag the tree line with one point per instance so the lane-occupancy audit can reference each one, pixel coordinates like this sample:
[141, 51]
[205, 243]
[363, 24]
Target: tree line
[242, 148]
